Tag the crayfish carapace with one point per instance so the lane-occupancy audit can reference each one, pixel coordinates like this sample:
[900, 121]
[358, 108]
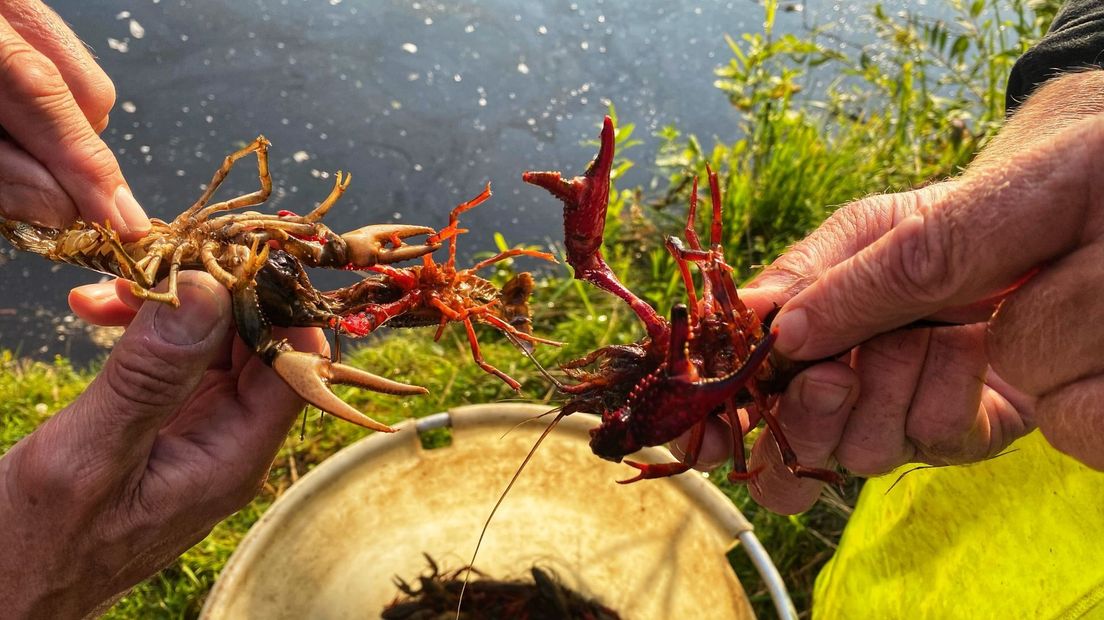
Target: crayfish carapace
[712, 358]
[261, 259]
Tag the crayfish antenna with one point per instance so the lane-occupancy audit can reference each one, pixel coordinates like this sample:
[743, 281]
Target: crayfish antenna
[487, 523]
[526, 349]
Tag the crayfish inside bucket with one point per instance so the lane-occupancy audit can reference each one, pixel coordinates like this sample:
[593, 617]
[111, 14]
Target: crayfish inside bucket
[712, 358]
[262, 259]
[437, 595]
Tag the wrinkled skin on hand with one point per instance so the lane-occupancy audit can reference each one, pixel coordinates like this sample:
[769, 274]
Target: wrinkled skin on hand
[177, 431]
[54, 101]
[1011, 253]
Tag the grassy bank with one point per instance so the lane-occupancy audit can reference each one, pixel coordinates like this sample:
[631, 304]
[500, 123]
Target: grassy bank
[913, 108]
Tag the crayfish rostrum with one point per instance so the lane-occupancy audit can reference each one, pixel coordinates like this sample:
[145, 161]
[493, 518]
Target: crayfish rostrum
[262, 259]
[712, 358]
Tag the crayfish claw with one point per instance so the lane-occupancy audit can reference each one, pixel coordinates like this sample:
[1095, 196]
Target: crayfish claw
[651, 471]
[310, 375]
[368, 246]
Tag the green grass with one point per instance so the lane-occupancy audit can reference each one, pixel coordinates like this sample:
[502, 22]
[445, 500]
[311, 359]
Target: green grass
[912, 109]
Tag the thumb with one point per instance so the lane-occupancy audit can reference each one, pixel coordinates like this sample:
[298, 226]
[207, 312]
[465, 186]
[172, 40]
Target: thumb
[155, 367]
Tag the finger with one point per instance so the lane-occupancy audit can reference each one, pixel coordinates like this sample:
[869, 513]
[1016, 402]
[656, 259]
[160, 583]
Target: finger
[249, 441]
[1045, 320]
[985, 235]
[29, 193]
[716, 446]
[40, 114]
[125, 293]
[889, 367]
[951, 418]
[99, 304]
[45, 31]
[812, 412]
[151, 373]
[262, 390]
[1072, 420]
[846, 232]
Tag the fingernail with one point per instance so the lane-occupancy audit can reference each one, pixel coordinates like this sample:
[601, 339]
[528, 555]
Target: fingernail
[133, 217]
[793, 330]
[822, 397]
[96, 292]
[194, 320]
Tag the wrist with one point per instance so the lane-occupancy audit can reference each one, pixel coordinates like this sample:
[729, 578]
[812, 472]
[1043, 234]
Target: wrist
[42, 568]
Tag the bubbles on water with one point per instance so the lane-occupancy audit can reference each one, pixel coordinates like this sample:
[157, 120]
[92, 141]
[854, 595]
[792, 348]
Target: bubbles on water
[523, 68]
[410, 48]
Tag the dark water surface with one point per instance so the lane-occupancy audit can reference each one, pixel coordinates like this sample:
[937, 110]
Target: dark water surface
[423, 102]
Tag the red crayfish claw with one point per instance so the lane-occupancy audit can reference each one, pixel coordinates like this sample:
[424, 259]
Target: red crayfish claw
[586, 200]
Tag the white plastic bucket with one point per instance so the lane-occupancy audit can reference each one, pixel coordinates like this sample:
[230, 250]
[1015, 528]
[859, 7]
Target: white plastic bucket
[331, 546]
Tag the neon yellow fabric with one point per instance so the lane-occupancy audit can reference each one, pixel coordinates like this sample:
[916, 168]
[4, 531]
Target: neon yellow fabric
[1018, 536]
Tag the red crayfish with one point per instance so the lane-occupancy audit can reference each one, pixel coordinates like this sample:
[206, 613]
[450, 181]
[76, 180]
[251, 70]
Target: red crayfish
[712, 358]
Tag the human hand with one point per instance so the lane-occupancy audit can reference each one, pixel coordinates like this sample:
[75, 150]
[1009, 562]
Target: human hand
[54, 100]
[1028, 207]
[177, 431]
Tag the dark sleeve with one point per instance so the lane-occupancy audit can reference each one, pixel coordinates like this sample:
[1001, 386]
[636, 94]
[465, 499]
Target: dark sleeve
[1075, 41]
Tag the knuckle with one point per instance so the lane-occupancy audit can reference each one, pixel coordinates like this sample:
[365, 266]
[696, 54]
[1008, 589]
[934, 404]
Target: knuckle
[99, 162]
[136, 378]
[925, 270]
[102, 100]
[26, 74]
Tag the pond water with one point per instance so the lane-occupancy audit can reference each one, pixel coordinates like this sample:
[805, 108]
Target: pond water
[423, 102]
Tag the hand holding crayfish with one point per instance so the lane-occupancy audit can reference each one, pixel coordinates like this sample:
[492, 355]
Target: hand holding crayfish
[972, 305]
[139, 468]
[177, 431]
[54, 100]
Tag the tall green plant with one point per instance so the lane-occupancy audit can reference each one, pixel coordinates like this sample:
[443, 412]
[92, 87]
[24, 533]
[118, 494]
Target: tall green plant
[911, 107]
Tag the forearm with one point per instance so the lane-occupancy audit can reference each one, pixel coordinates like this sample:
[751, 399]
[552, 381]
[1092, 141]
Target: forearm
[1055, 106]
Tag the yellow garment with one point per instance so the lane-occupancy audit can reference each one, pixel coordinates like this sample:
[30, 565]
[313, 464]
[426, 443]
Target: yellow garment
[1018, 536]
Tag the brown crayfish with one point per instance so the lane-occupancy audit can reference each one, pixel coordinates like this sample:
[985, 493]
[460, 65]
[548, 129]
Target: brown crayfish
[713, 357]
[261, 259]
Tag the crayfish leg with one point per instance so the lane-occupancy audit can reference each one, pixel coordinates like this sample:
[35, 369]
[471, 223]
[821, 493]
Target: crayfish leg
[201, 211]
[341, 183]
[477, 355]
[651, 471]
[715, 233]
[501, 256]
[789, 457]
